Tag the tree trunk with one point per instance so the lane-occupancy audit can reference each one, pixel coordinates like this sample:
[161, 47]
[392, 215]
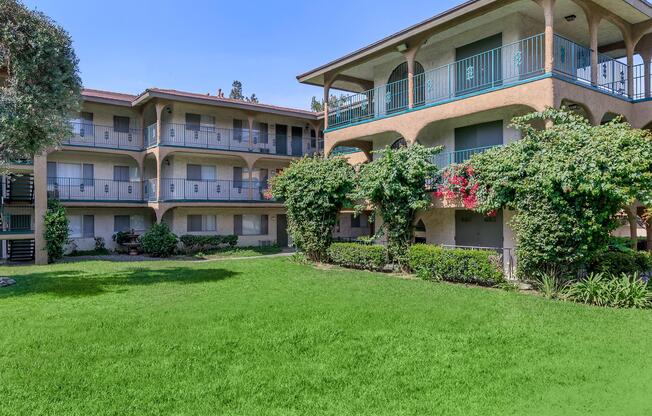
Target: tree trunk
[648, 229]
[633, 227]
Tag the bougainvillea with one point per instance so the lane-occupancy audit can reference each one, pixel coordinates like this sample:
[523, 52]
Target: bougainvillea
[456, 184]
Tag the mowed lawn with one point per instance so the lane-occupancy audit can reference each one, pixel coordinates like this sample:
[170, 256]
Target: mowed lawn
[270, 337]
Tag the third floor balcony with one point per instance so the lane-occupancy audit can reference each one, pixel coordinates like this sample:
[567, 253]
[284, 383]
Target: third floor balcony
[511, 64]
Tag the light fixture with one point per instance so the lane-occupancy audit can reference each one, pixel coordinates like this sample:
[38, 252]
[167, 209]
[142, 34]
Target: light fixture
[570, 18]
[402, 47]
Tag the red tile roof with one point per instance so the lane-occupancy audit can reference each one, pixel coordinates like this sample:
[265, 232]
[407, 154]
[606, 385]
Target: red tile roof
[130, 98]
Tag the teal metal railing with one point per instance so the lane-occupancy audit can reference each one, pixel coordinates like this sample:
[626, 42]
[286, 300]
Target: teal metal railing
[500, 67]
[444, 159]
[85, 189]
[95, 135]
[494, 68]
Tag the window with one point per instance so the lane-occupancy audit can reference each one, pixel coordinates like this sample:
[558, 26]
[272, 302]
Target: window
[193, 121]
[200, 172]
[237, 130]
[201, 223]
[355, 221]
[121, 173]
[263, 132]
[121, 124]
[82, 226]
[250, 224]
[121, 223]
[137, 222]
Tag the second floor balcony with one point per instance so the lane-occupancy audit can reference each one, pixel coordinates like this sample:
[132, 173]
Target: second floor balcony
[511, 64]
[213, 190]
[240, 140]
[95, 190]
[112, 137]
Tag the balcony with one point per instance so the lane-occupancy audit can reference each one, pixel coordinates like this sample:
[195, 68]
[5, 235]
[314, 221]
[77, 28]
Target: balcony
[509, 65]
[206, 137]
[445, 159]
[16, 220]
[95, 190]
[212, 190]
[94, 135]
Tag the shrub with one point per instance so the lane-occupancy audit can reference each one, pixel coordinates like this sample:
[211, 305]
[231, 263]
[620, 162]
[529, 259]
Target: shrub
[626, 291]
[56, 230]
[196, 243]
[458, 265]
[619, 262]
[99, 244]
[358, 256]
[159, 241]
[121, 237]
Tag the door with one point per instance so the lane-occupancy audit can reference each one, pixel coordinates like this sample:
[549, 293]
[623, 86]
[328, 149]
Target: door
[281, 230]
[476, 230]
[281, 139]
[297, 141]
[470, 139]
[478, 65]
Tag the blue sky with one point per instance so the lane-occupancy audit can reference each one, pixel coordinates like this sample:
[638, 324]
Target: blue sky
[201, 45]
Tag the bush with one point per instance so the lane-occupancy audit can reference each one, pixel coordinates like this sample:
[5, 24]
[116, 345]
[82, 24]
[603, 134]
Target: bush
[619, 262]
[457, 265]
[56, 230]
[121, 237]
[197, 243]
[358, 256]
[626, 291]
[159, 241]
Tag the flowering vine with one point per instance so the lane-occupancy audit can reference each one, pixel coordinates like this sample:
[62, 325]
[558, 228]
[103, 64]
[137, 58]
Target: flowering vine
[457, 184]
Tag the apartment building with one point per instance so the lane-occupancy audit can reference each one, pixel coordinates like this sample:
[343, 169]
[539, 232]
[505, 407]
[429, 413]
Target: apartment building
[199, 163]
[457, 79]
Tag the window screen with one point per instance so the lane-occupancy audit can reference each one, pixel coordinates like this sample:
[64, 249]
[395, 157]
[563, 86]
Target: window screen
[88, 226]
[194, 223]
[193, 121]
[121, 223]
[121, 124]
[121, 173]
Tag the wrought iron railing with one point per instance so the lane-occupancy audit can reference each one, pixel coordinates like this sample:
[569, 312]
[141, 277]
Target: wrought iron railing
[497, 67]
[444, 159]
[80, 189]
[16, 219]
[149, 190]
[95, 135]
[208, 137]
[177, 189]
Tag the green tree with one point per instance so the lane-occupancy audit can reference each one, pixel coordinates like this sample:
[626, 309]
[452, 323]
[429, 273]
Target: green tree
[314, 190]
[41, 87]
[394, 186]
[236, 91]
[316, 105]
[567, 184]
[57, 230]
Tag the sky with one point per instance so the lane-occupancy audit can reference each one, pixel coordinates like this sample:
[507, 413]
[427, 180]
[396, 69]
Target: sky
[202, 45]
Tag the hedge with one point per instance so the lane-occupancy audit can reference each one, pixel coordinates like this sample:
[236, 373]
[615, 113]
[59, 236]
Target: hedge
[358, 256]
[619, 262]
[207, 242]
[456, 265]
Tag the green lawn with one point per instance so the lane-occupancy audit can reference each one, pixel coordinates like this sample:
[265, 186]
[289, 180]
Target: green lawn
[269, 337]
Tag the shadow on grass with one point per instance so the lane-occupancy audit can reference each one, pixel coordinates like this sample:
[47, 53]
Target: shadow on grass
[76, 283]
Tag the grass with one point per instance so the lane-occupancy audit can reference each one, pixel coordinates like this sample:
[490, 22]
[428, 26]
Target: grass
[269, 337]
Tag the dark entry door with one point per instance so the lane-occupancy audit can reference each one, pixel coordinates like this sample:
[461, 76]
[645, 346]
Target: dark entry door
[281, 230]
[281, 139]
[469, 138]
[479, 65]
[297, 141]
[476, 230]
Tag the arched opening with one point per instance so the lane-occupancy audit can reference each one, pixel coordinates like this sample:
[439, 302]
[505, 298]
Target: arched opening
[396, 96]
[609, 117]
[578, 109]
[420, 232]
[399, 143]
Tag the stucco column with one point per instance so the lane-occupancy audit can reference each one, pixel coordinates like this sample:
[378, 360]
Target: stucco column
[549, 35]
[328, 82]
[647, 78]
[159, 173]
[594, 24]
[40, 207]
[250, 119]
[159, 114]
[629, 46]
[250, 191]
